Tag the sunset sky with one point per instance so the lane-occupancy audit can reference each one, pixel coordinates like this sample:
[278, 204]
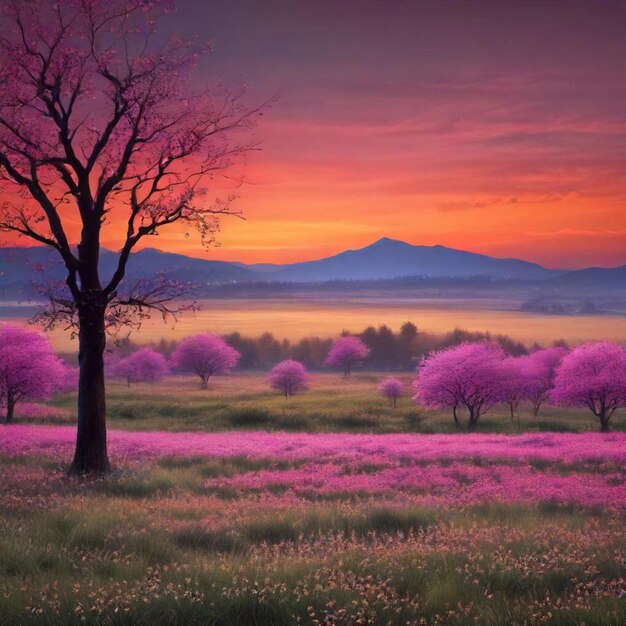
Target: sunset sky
[496, 127]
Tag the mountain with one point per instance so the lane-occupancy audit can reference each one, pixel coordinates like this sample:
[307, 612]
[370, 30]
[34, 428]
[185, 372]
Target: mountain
[390, 258]
[382, 260]
[20, 267]
[148, 262]
[593, 277]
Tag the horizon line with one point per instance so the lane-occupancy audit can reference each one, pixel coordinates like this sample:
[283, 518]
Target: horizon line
[313, 259]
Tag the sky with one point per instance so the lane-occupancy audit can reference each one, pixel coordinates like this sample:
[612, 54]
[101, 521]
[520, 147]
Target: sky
[495, 127]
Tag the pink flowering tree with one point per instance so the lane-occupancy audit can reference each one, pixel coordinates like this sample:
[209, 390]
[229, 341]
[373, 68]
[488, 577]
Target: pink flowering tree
[104, 128]
[512, 384]
[144, 365]
[69, 383]
[465, 376]
[204, 355]
[593, 375]
[392, 389]
[28, 367]
[288, 377]
[345, 352]
[537, 375]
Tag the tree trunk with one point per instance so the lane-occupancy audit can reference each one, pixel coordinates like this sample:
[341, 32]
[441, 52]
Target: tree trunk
[10, 409]
[605, 425]
[456, 417]
[474, 414]
[90, 456]
[205, 382]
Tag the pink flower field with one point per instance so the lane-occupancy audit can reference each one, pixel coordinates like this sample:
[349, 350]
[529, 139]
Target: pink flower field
[431, 470]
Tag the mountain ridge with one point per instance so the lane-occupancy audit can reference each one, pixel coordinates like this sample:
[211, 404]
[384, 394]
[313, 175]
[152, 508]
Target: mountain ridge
[383, 259]
[393, 258]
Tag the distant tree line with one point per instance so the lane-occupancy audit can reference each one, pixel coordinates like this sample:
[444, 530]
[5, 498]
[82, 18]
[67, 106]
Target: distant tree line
[391, 350]
[468, 378]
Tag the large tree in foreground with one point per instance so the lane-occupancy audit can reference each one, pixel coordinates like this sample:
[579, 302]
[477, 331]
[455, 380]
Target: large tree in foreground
[100, 126]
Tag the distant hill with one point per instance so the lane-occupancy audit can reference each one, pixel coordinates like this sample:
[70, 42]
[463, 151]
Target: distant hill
[390, 258]
[20, 267]
[600, 277]
[385, 259]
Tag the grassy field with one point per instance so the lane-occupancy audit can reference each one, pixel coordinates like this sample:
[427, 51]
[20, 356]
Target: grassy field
[261, 527]
[218, 539]
[332, 404]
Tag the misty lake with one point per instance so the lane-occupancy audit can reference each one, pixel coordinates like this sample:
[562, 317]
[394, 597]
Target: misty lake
[293, 318]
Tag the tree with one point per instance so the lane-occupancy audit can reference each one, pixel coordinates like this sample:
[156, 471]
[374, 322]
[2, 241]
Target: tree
[593, 375]
[205, 355]
[144, 365]
[69, 382]
[467, 375]
[392, 389]
[288, 377]
[311, 351]
[28, 367]
[100, 125]
[407, 341]
[345, 352]
[512, 383]
[537, 375]
[382, 345]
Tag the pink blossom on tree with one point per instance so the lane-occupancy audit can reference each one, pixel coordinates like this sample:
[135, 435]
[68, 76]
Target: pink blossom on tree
[69, 382]
[512, 383]
[205, 355]
[593, 375]
[538, 372]
[345, 352]
[28, 367]
[392, 389]
[288, 377]
[144, 365]
[467, 375]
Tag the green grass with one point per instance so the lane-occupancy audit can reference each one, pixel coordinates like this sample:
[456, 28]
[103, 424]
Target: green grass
[150, 546]
[154, 544]
[333, 404]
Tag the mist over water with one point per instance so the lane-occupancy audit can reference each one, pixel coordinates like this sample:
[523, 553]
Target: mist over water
[326, 317]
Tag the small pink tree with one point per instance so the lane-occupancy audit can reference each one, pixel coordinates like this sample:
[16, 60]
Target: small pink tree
[144, 365]
[346, 352]
[28, 367]
[467, 375]
[538, 372]
[288, 377]
[593, 375]
[69, 382]
[205, 355]
[392, 389]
